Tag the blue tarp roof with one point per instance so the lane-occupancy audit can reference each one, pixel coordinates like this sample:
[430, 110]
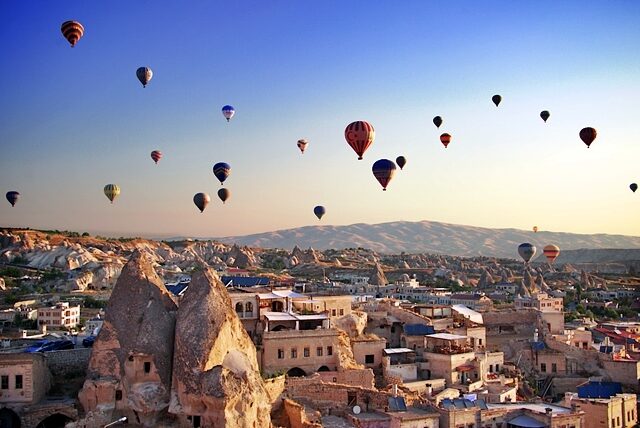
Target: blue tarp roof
[599, 389]
[537, 346]
[418, 329]
[178, 289]
[244, 281]
[526, 422]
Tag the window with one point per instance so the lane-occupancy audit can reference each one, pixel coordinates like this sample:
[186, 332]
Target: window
[319, 351]
[497, 367]
[147, 367]
[306, 352]
[118, 394]
[490, 368]
[329, 350]
[196, 421]
[618, 419]
[238, 307]
[281, 354]
[480, 342]
[5, 382]
[18, 381]
[543, 367]
[341, 311]
[613, 422]
[393, 329]
[554, 368]
[294, 353]
[333, 312]
[369, 359]
[248, 307]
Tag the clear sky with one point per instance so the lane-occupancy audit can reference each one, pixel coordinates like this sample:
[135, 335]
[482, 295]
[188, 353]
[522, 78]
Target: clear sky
[73, 120]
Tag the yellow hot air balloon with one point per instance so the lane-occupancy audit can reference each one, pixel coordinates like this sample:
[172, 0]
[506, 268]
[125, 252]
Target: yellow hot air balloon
[111, 191]
[551, 252]
[535, 229]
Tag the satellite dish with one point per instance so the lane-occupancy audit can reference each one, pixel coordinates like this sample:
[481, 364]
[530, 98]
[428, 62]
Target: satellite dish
[356, 410]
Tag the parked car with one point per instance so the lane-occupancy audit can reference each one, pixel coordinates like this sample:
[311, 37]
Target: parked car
[87, 342]
[36, 346]
[50, 345]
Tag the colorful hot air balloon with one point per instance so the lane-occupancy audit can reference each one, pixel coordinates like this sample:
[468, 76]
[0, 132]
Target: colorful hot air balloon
[535, 229]
[144, 75]
[544, 114]
[13, 197]
[201, 200]
[228, 112]
[437, 121]
[72, 31]
[360, 136]
[302, 145]
[551, 252]
[526, 251]
[401, 161]
[319, 211]
[111, 191]
[496, 99]
[221, 170]
[224, 194]
[445, 139]
[587, 135]
[156, 155]
[383, 171]
[633, 187]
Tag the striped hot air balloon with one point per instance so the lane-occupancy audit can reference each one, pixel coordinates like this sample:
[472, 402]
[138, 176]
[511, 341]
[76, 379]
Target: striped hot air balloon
[222, 171]
[551, 252]
[360, 136]
[228, 112]
[72, 31]
[383, 171]
[111, 191]
[156, 155]
[144, 75]
[445, 139]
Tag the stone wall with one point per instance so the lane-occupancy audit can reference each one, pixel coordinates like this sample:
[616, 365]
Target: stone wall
[358, 377]
[297, 415]
[68, 361]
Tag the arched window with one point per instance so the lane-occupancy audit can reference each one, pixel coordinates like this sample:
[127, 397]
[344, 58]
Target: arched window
[239, 307]
[249, 307]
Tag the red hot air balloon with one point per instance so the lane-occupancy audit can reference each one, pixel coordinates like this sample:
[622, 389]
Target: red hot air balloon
[72, 31]
[587, 135]
[156, 155]
[445, 139]
[383, 171]
[360, 136]
[551, 252]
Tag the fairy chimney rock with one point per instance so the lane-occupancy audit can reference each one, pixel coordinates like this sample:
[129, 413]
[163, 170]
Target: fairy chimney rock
[377, 276]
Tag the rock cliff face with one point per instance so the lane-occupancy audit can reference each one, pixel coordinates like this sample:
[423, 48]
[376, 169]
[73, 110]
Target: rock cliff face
[130, 367]
[377, 276]
[215, 368]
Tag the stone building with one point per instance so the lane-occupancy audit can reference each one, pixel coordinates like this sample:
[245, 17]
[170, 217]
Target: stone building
[62, 315]
[618, 411]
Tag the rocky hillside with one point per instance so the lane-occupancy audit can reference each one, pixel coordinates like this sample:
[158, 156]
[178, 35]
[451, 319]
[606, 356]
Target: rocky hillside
[429, 237]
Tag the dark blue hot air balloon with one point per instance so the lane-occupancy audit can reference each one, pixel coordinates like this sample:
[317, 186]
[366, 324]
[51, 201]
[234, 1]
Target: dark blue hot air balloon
[13, 197]
[383, 171]
[526, 251]
[221, 170]
[228, 112]
[319, 211]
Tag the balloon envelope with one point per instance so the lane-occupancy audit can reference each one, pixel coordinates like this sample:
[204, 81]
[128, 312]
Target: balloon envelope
[535, 229]
[445, 139]
[587, 135]
[302, 145]
[319, 211]
[401, 161]
[224, 194]
[383, 171]
[551, 252]
[156, 155]
[496, 99]
[544, 114]
[633, 187]
[228, 112]
[13, 197]
[144, 75]
[111, 191]
[437, 121]
[201, 200]
[526, 251]
[360, 136]
[72, 31]
[222, 171]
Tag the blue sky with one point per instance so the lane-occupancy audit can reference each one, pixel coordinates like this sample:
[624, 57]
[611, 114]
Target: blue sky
[73, 120]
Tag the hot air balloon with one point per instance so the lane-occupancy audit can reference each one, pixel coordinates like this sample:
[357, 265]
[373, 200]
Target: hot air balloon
[13, 197]
[111, 191]
[535, 229]
[72, 31]
[633, 187]
[544, 114]
[526, 251]
[224, 194]
[496, 99]
[445, 139]
[144, 75]
[319, 211]
[437, 121]
[401, 161]
[360, 136]
[302, 145]
[221, 170]
[228, 112]
[201, 200]
[551, 252]
[383, 171]
[156, 155]
[587, 135]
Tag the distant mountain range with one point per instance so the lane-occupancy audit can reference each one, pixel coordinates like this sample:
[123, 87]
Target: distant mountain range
[429, 237]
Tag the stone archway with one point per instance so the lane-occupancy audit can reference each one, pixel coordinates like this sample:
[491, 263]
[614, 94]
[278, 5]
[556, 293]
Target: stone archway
[296, 372]
[324, 369]
[57, 420]
[9, 418]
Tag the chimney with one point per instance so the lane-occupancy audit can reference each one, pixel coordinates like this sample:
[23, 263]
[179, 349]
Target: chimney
[395, 389]
[548, 411]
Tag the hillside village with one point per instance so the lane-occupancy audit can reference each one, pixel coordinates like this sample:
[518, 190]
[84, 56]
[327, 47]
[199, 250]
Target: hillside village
[206, 334]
